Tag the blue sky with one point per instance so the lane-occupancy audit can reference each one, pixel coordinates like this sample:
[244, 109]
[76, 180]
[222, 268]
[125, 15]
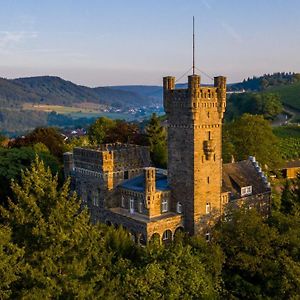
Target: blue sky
[137, 42]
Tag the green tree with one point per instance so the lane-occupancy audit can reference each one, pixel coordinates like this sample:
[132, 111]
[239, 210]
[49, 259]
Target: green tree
[61, 248]
[13, 160]
[252, 135]
[157, 141]
[97, 132]
[10, 262]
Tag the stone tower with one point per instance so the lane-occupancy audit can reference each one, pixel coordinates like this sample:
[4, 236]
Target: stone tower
[195, 148]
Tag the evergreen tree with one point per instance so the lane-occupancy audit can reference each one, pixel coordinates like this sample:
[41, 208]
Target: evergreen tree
[157, 141]
[64, 255]
[10, 262]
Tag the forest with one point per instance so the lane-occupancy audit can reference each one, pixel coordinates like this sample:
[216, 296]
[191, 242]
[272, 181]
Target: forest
[49, 248]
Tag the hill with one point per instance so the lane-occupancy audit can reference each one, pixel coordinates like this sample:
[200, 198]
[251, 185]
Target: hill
[55, 90]
[289, 94]
[264, 82]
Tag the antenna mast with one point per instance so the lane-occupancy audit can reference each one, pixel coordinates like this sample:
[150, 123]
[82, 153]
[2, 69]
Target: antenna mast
[193, 45]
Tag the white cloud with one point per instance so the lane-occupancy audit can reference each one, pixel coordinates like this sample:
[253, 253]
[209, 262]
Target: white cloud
[11, 38]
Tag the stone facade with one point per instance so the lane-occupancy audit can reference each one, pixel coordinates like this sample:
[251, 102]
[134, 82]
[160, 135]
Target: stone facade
[194, 141]
[119, 186]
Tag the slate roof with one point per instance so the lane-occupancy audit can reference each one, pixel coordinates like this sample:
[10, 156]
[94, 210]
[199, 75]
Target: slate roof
[242, 174]
[137, 183]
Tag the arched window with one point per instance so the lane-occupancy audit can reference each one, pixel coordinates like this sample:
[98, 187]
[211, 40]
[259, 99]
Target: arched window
[167, 235]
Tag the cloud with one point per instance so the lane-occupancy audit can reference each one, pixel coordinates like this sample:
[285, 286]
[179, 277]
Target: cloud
[232, 32]
[11, 38]
[206, 4]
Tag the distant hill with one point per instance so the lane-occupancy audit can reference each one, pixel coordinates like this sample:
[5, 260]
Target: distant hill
[256, 84]
[55, 90]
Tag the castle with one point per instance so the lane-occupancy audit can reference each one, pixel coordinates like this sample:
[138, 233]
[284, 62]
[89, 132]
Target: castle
[120, 187]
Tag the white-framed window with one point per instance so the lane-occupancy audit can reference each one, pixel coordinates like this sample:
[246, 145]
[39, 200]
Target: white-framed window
[179, 208]
[140, 206]
[246, 190]
[164, 205]
[208, 207]
[122, 201]
[131, 205]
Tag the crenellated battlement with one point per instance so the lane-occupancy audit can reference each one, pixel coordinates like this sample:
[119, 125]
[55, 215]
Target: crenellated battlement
[195, 97]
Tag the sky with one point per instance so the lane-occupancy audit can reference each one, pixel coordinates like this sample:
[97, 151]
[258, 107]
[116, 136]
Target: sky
[118, 42]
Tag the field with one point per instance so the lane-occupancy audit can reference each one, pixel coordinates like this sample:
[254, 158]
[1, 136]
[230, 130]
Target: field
[78, 112]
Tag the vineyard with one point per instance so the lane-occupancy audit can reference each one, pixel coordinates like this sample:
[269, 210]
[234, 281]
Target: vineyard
[289, 141]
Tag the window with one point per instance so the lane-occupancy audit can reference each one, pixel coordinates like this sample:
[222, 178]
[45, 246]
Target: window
[207, 179]
[247, 190]
[164, 205]
[167, 235]
[122, 201]
[95, 201]
[131, 205]
[209, 135]
[208, 208]
[179, 207]
[207, 236]
[125, 174]
[140, 206]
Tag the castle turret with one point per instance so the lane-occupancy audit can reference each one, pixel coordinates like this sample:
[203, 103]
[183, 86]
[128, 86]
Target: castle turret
[149, 184]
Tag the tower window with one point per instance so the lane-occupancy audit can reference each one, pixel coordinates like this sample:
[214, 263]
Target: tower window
[208, 208]
[208, 179]
[209, 135]
[208, 114]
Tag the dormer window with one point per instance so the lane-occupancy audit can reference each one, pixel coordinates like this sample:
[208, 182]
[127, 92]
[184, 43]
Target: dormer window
[246, 190]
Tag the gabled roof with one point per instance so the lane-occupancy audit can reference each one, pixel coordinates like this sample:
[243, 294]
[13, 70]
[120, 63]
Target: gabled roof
[242, 174]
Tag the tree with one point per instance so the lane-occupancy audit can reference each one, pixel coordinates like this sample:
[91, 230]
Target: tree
[157, 141]
[13, 160]
[252, 135]
[61, 248]
[50, 137]
[10, 262]
[250, 257]
[97, 132]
